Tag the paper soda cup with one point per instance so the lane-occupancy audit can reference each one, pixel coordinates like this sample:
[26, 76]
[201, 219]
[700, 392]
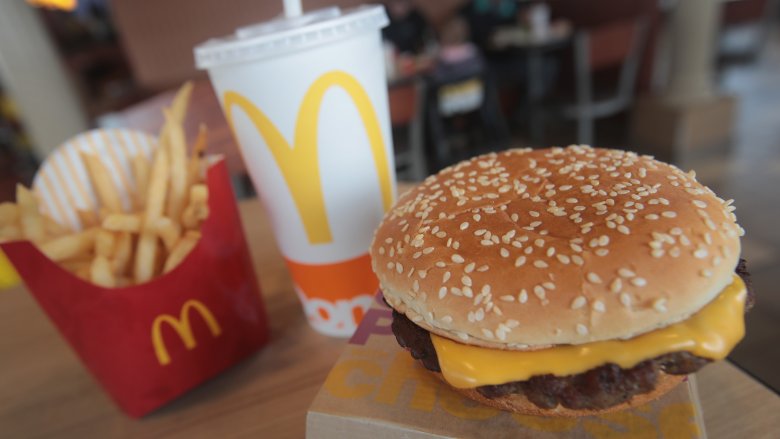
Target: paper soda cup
[306, 98]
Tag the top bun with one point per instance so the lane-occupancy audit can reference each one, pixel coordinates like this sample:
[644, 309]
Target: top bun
[530, 248]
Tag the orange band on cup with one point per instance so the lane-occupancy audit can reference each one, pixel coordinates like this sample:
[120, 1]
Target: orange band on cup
[336, 281]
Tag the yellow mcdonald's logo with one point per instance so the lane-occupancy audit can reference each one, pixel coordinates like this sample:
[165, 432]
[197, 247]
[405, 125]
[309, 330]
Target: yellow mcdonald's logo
[182, 327]
[299, 164]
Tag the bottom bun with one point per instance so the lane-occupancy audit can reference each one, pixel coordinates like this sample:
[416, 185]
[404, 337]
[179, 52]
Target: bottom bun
[518, 403]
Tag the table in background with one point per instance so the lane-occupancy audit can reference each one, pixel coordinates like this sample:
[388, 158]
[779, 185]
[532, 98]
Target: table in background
[46, 392]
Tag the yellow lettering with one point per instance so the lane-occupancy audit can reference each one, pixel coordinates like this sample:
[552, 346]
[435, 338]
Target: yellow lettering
[402, 370]
[552, 425]
[337, 381]
[182, 327]
[678, 420]
[299, 164]
[620, 425]
[464, 408]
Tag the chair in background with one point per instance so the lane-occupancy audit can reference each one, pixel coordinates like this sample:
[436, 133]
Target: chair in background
[608, 46]
[407, 113]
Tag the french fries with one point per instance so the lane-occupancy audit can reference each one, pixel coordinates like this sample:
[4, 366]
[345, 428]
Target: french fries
[182, 249]
[122, 222]
[30, 219]
[101, 181]
[118, 247]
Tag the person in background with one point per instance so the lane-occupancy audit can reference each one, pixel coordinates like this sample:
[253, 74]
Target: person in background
[407, 29]
[457, 57]
[484, 16]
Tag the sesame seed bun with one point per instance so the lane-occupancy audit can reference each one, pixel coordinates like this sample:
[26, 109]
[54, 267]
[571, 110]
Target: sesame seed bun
[518, 403]
[531, 248]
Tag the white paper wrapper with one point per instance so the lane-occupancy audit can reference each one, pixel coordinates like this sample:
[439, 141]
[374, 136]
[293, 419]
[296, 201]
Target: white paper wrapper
[62, 183]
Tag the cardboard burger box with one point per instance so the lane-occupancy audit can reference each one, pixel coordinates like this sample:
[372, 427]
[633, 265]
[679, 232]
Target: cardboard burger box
[377, 390]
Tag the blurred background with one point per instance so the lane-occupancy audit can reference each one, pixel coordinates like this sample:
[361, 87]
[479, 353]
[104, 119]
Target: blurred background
[694, 82]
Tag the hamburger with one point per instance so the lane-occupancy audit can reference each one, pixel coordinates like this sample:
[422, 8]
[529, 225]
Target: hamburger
[562, 281]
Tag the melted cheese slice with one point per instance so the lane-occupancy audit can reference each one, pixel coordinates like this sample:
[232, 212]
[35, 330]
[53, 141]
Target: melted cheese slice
[710, 333]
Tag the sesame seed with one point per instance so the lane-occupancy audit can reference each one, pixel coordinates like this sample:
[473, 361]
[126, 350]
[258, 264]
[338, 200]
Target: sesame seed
[657, 253]
[669, 214]
[539, 292]
[623, 229]
[598, 306]
[523, 296]
[651, 216]
[625, 299]
[416, 286]
[539, 242]
[602, 252]
[504, 252]
[479, 315]
[540, 264]
[706, 273]
[446, 319]
[616, 285]
[550, 251]
[464, 225]
[520, 261]
[578, 302]
[458, 259]
[638, 282]
[465, 280]
[660, 305]
[582, 329]
[577, 259]
[483, 268]
[507, 298]
[563, 258]
[381, 250]
[699, 203]
[442, 292]
[446, 276]
[700, 253]
[593, 278]
[468, 292]
[399, 268]
[487, 333]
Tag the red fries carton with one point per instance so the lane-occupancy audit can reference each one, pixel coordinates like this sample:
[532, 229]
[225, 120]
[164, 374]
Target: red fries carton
[147, 344]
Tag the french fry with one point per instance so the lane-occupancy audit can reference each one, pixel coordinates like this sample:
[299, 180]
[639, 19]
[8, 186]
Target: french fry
[87, 218]
[198, 149]
[141, 175]
[53, 227]
[182, 249]
[177, 151]
[143, 269]
[198, 208]
[9, 213]
[105, 242]
[123, 281]
[122, 222]
[101, 181]
[74, 265]
[168, 231]
[123, 254]
[84, 272]
[10, 232]
[30, 219]
[69, 246]
[181, 101]
[100, 272]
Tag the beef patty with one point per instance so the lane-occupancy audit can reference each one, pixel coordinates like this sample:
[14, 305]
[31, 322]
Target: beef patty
[597, 388]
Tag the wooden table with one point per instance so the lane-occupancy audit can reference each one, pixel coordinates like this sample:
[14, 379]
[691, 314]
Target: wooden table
[45, 392]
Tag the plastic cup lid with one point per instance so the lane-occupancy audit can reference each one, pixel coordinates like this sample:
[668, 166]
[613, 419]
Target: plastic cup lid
[285, 35]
